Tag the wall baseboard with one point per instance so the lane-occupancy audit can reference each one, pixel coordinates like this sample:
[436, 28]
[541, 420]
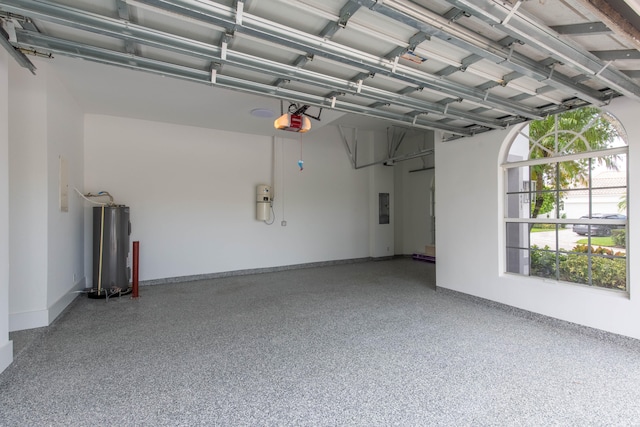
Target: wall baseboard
[42, 318]
[28, 320]
[554, 322]
[6, 355]
[63, 302]
[251, 271]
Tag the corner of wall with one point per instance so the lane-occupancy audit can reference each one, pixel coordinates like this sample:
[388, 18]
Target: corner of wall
[6, 346]
[65, 226]
[28, 320]
[43, 318]
[6, 355]
[27, 215]
[61, 304]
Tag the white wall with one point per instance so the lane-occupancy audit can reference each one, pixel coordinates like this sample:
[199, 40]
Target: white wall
[192, 196]
[413, 190]
[65, 230]
[46, 244]
[28, 198]
[470, 236]
[6, 346]
[380, 181]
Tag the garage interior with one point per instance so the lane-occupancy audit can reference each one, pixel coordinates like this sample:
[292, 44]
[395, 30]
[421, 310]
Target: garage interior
[169, 105]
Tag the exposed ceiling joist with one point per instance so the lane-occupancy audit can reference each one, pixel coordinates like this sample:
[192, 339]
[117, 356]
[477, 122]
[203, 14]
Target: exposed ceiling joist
[266, 30]
[519, 25]
[462, 38]
[613, 55]
[457, 66]
[346, 13]
[590, 28]
[15, 53]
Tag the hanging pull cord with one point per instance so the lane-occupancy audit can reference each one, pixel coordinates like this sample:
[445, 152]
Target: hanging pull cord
[301, 162]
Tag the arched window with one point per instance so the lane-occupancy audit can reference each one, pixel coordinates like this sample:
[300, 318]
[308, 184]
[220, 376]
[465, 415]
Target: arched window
[566, 200]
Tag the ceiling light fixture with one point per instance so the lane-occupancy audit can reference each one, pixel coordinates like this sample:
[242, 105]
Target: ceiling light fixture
[263, 113]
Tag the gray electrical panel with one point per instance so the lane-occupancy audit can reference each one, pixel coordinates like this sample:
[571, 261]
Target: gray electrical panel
[111, 230]
[383, 208]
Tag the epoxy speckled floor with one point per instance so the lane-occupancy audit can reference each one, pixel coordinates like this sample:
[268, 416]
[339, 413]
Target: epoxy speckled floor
[360, 344]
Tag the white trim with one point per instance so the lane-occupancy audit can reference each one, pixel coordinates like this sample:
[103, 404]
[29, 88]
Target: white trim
[586, 221]
[42, 318]
[58, 307]
[6, 355]
[554, 159]
[567, 157]
[28, 320]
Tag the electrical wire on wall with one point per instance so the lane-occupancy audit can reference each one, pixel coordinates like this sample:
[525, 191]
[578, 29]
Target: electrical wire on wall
[88, 197]
[273, 216]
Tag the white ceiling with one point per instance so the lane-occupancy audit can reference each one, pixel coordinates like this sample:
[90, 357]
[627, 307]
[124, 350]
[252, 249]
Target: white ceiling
[459, 66]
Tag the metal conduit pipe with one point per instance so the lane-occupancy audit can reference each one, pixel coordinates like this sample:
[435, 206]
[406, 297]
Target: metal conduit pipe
[396, 159]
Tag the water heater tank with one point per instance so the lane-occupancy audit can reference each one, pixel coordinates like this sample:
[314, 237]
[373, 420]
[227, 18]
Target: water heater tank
[111, 247]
